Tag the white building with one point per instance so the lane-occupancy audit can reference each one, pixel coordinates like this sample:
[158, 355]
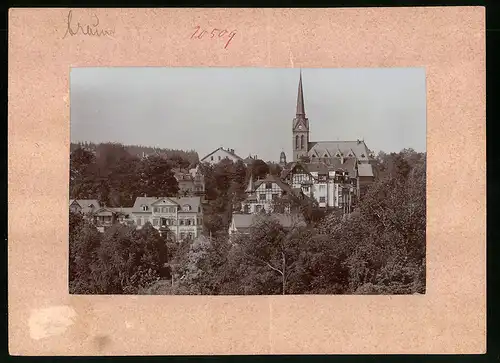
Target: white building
[331, 185]
[182, 216]
[220, 154]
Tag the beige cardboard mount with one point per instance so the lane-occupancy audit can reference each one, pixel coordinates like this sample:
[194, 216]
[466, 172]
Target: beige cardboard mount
[45, 320]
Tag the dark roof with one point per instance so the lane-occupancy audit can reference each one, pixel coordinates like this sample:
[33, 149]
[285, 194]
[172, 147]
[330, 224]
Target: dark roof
[365, 170]
[356, 148]
[273, 179]
[88, 205]
[193, 202]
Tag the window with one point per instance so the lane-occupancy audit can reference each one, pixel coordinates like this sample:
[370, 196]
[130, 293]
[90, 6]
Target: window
[211, 158]
[186, 207]
[156, 209]
[188, 222]
[258, 208]
[306, 189]
[139, 221]
[362, 155]
[181, 222]
[182, 235]
[262, 197]
[314, 156]
[301, 141]
[219, 157]
[274, 196]
[269, 185]
[144, 208]
[155, 222]
[322, 188]
[322, 199]
[297, 141]
[246, 208]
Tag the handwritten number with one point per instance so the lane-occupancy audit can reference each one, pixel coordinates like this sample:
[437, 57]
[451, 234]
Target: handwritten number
[215, 30]
[221, 33]
[197, 28]
[231, 36]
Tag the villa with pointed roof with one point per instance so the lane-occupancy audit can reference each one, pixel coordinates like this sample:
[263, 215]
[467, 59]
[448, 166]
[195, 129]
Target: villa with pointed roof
[261, 194]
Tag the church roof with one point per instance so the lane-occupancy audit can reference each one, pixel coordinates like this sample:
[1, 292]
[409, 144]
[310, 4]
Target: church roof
[345, 148]
[365, 170]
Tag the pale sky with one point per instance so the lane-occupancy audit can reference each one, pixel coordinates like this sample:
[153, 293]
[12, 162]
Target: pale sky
[247, 109]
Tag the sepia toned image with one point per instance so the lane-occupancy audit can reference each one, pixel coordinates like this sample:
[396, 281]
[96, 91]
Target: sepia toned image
[235, 181]
[137, 234]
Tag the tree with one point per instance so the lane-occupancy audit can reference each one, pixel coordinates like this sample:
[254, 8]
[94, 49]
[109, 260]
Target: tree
[80, 159]
[271, 253]
[157, 178]
[275, 169]
[84, 240]
[259, 169]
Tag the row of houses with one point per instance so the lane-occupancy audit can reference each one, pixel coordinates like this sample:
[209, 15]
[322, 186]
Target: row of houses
[182, 217]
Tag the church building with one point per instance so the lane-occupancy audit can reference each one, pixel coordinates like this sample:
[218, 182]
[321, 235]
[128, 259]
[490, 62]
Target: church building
[335, 173]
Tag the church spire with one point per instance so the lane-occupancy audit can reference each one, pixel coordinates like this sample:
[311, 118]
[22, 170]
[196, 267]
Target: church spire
[300, 99]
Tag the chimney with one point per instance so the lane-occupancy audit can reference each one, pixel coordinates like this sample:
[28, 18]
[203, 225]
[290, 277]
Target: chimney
[145, 195]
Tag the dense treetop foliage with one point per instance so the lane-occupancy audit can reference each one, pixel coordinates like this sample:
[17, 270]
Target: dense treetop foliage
[377, 249]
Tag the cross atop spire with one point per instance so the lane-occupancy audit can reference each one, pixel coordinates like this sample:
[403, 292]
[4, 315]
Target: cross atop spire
[300, 99]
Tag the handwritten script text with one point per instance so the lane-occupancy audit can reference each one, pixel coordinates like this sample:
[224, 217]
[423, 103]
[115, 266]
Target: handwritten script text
[90, 30]
[215, 33]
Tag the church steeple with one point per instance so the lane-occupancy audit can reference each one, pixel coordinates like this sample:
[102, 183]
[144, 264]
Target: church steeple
[300, 99]
[300, 129]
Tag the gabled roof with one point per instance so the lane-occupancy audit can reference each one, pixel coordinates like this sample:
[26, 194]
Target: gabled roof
[104, 210]
[357, 147]
[273, 179]
[232, 154]
[163, 200]
[334, 164]
[193, 202]
[140, 201]
[86, 204]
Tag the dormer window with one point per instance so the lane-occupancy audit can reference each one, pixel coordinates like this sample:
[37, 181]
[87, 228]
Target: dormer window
[314, 156]
[337, 155]
[145, 208]
[186, 208]
[325, 156]
[362, 155]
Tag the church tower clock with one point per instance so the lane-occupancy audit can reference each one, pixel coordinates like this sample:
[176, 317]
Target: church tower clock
[300, 130]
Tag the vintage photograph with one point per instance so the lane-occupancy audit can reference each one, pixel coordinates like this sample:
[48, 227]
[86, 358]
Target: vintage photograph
[247, 181]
